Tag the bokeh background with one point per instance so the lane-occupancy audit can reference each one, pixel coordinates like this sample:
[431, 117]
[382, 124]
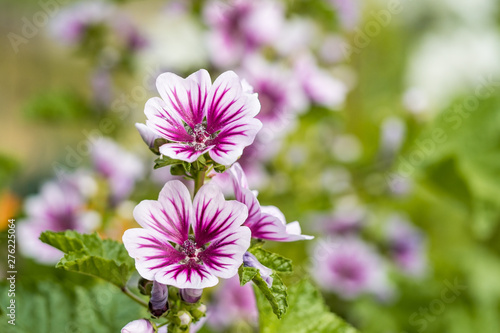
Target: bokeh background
[381, 136]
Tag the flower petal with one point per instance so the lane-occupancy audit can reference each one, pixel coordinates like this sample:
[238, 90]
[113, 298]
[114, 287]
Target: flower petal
[224, 256]
[181, 151]
[192, 276]
[216, 218]
[233, 138]
[185, 97]
[164, 122]
[228, 103]
[152, 251]
[170, 216]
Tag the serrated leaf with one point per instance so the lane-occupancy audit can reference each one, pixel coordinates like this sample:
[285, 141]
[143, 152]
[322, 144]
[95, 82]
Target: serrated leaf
[272, 260]
[246, 274]
[106, 269]
[47, 307]
[90, 255]
[308, 313]
[165, 161]
[276, 295]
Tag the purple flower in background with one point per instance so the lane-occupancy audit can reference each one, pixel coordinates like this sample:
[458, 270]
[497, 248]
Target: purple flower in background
[265, 222]
[71, 24]
[407, 246]
[119, 167]
[240, 27]
[280, 94]
[197, 116]
[232, 303]
[165, 251]
[349, 12]
[138, 326]
[349, 267]
[320, 86]
[59, 206]
[342, 223]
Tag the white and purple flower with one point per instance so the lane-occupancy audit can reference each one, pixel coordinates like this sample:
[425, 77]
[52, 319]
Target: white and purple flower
[165, 250]
[232, 303]
[138, 326]
[319, 85]
[407, 246]
[196, 116]
[349, 267]
[59, 206]
[119, 167]
[241, 27]
[265, 222]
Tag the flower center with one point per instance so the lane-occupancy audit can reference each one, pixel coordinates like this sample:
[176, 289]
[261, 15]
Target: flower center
[191, 251]
[201, 138]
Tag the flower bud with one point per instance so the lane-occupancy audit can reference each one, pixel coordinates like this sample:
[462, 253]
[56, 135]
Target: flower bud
[159, 298]
[249, 260]
[184, 318]
[189, 295]
[147, 135]
[199, 312]
[138, 326]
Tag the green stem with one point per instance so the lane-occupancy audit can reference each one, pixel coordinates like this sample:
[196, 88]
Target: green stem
[199, 179]
[130, 294]
[163, 324]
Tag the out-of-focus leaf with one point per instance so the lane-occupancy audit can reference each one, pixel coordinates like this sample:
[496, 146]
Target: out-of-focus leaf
[57, 106]
[307, 313]
[49, 307]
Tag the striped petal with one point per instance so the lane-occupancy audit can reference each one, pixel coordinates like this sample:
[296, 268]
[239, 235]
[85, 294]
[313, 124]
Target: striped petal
[233, 138]
[265, 222]
[182, 151]
[170, 216]
[185, 98]
[219, 227]
[151, 250]
[164, 122]
[231, 111]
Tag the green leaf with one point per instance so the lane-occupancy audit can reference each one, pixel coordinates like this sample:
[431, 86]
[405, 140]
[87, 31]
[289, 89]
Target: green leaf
[187, 166]
[246, 274]
[90, 255]
[307, 313]
[272, 260]
[165, 161]
[276, 295]
[220, 168]
[47, 307]
[177, 170]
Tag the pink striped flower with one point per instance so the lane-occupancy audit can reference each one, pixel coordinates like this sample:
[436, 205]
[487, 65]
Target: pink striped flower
[265, 222]
[165, 250]
[196, 116]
